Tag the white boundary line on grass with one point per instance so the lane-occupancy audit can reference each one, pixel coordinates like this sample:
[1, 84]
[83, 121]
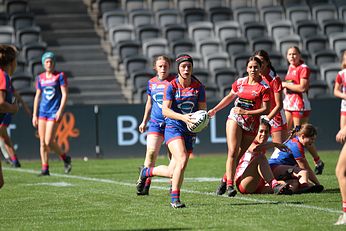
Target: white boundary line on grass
[243, 198]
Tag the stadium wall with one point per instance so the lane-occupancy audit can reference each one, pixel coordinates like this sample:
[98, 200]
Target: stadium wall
[111, 131]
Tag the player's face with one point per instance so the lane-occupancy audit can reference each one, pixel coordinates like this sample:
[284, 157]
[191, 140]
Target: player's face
[162, 68]
[264, 66]
[185, 70]
[49, 65]
[293, 56]
[253, 69]
[263, 134]
[307, 141]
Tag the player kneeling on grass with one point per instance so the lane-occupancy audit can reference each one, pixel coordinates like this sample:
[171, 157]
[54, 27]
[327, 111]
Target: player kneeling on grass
[253, 173]
[293, 164]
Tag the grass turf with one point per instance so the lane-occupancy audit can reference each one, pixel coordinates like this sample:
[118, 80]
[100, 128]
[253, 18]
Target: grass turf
[100, 195]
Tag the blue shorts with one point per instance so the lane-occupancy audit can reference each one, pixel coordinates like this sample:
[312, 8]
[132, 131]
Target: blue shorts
[6, 120]
[156, 128]
[47, 115]
[172, 133]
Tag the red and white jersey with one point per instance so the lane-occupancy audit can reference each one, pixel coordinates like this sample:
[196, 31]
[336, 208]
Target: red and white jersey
[297, 101]
[250, 97]
[275, 84]
[245, 161]
[341, 79]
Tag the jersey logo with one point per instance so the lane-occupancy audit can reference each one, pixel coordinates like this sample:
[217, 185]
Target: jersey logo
[186, 107]
[158, 98]
[49, 92]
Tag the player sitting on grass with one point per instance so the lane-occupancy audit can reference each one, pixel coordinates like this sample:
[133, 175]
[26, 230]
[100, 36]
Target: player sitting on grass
[293, 165]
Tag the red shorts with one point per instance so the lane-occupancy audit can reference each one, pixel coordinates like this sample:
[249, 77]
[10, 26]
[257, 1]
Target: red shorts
[280, 128]
[300, 114]
[343, 113]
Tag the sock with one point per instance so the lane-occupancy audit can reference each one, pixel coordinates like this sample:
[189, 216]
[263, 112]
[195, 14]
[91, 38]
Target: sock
[14, 158]
[63, 156]
[344, 206]
[316, 160]
[175, 195]
[148, 172]
[229, 183]
[273, 182]
[147, 182]
[224, 178]
[45, 167]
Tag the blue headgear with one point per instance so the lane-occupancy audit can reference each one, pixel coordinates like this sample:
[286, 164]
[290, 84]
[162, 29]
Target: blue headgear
[48, 55]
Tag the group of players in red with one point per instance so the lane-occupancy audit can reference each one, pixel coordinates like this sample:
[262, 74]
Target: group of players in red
[263, 106]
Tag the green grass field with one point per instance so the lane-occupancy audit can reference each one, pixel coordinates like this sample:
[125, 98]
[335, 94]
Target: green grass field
[100, 195]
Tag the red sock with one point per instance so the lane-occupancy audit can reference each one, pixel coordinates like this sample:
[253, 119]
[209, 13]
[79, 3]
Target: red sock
[148, 181]
[224, 178]
[63, 156]
[273, 182]
[229, 183]
[45, 167]
[344, 206]
[316, 159]
[14, 158]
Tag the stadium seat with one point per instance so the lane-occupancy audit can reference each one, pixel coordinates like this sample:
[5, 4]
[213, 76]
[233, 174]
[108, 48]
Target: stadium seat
[235, 4]
[262, 43]
[156, 5]
[203, 75]
[16, 6]
[276, 58]
[323, 56]
[312, 3]
[197, 60]
[155, 47]
[246, 14]
[121, 33]
[133, 5]
[329, 71]
[280, 29]
[281, 71]
[140, 96]
[324, 12]
[21, 65]
[174, 32]
[224, 77]
[342, 12]
[192, 15]
[22, 80]
[165, 17]
[236, 45]
[184, 4]
[182, 46]
[227, 29]
[318, 89]
[141, 17]
[135, 63]
[28, 35]
[289, 3]
[22, 20]
[212, 93]
[272, 14]
[35, 67]
[201, 30]
[217, 14]
[148, 32]
[28, 96]
[306, 28]
[139, 79]
[216, 61]
[260, 4]
[254, 29]
[337, 42]
[125, 49]
[114, 18]
[333, 25]
[283, 43]
[315, 42]
[209, 4]
[7, 35]
[239, 61]
[208, 46]
[33, 51]
[103, 6]
[296, 13]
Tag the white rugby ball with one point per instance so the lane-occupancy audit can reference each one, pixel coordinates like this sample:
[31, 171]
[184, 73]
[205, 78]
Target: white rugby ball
[201, 120]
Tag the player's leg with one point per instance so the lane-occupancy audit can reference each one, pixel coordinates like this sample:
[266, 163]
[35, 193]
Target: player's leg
[279, 136]
[1, 177]
[44, 148]
[248, 182]
[340, 172]
[289, 119]
[9, 147]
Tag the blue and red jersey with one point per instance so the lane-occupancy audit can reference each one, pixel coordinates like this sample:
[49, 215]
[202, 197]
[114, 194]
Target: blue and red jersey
[288, 158]
[156, 89]
[6, 85]
[50, 91]
[184, 100]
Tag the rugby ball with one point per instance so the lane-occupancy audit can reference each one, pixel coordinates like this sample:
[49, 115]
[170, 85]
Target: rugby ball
[201, 120]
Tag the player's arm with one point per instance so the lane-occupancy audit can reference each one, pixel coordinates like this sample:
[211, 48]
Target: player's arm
[35, 107]
[21, 101]
[303, 164]
[278, 105]
[303, 86]
[62, 103]
[222, 104]
[6, 107]
[269, 145]
[337, 91]
[168, 112]
[146, 116]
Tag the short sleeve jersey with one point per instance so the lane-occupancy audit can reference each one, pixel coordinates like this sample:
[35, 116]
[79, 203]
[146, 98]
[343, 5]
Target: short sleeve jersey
[184, 100]
[297, 101]
[5, 85]
[341, 79]
[275, 84]
[286, 158]
[50, 91]
[251, 95]
[156, 89]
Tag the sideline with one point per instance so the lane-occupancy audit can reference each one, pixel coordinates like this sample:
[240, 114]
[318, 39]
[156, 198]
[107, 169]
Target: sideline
[240, 197]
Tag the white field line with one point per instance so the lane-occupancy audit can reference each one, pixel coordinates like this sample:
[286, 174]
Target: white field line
[240, 197]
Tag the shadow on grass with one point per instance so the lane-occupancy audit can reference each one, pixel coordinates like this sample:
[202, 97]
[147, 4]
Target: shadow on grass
[331, 190]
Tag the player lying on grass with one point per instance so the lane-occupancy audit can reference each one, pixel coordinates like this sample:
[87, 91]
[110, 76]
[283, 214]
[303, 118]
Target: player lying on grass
[293, 164]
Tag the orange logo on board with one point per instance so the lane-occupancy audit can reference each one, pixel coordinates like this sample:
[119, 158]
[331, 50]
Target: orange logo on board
[66, 130]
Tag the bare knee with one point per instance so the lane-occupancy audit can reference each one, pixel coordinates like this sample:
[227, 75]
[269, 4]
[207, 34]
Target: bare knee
[150, 158]
[340, 172]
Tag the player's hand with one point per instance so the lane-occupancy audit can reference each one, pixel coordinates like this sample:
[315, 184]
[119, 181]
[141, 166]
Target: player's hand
[211, 113]
[34, 121]
[341, 136]
[188, 120]
[142, 127]
[239, 111]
